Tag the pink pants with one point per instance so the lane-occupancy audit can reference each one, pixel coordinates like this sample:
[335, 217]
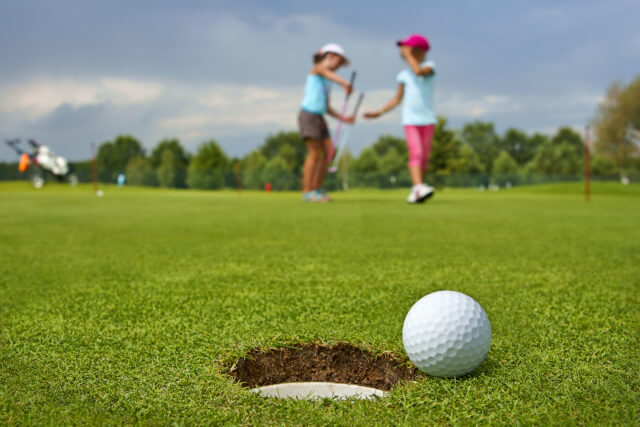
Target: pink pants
[419, 143]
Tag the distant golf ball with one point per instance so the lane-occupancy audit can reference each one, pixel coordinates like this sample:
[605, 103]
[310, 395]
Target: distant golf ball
[99, 193]
[446, 334]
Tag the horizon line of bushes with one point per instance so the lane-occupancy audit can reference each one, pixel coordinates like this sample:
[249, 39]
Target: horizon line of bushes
[474, 155]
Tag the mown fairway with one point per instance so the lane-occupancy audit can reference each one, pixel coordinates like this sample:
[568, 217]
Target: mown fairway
[126, 308]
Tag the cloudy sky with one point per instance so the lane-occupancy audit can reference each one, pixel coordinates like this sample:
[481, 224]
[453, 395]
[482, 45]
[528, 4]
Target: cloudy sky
[74, 72]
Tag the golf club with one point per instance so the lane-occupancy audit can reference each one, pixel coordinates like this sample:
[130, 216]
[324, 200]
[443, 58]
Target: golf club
[343, 143]
[336, 134]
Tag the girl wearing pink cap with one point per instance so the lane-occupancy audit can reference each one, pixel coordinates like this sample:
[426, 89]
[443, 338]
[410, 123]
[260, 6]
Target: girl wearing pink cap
[415, 91]
[313, 127]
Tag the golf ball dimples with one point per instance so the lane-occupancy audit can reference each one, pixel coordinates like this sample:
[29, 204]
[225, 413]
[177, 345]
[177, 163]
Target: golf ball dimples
[446, 334]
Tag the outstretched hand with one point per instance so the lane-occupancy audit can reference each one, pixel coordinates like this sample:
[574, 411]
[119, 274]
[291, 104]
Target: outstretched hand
[372, 114]
[348, 88]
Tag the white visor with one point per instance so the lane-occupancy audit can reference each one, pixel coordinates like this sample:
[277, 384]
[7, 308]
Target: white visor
[334, 48]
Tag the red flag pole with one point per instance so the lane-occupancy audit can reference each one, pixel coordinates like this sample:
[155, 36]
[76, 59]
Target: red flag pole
[94, 169]
[587, 165]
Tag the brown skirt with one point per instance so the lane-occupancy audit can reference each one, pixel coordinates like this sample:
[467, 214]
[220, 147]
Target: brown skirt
[312, 126]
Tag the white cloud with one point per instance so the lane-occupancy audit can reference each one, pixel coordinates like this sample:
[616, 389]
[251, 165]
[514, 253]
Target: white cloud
[127, 92]
[38, 98]
[475, 105]
[232, 105]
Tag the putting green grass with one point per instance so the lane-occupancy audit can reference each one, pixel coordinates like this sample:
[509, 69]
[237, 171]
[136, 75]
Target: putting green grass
[124, 309]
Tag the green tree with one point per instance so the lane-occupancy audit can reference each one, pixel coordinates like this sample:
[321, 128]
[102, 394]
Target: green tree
[619, 112]
[167, 171]
[274, 143]
[564, 159]
[288, 154]
[465, 169]
[179, 164]
[366, 169]
[155, 158]
[113, 157]
[83, 170]
[277, 173]
[445, 148]
[208, 167]
[139, 171]
[518, 145]
[467, 161]
[505, 169]
[392, 162]
[569, 136]
[482, 137]
[367, 162]
[603, 166]
[252, 166]
[386, 143]
[10, 172]
[537, 140]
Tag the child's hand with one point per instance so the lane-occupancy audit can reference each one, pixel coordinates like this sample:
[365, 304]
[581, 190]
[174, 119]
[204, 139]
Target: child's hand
[349, 120]
[372, 114]
[405, 51]
[348, 88]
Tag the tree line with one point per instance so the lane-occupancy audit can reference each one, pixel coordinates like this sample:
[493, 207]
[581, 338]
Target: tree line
[475, 154]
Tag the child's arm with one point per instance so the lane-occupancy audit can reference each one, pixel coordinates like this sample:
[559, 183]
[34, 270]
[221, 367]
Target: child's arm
[397, 99]
[326, 72]
[413, 62]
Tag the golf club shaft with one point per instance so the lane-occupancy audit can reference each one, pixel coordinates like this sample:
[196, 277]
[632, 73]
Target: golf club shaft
[355, 110]
[341, 147]
[340, 119]
[343, 143]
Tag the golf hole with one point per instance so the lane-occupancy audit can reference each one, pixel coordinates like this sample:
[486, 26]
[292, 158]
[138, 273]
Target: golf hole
[315, 371]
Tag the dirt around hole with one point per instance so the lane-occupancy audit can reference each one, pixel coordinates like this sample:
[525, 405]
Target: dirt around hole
[341, 363]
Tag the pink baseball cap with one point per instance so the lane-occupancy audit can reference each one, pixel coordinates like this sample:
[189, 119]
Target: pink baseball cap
[415, 40]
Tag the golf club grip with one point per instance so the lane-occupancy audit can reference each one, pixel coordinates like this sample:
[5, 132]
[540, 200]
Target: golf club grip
[353, 77]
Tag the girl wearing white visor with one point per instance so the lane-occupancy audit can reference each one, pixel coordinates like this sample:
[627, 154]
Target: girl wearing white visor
[313, 127]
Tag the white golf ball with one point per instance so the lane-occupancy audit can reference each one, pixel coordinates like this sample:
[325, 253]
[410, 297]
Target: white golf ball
[99, 193]
[446, 334]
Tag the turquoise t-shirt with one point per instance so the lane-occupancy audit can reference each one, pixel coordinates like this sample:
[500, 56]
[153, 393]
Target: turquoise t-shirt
[315, 94]
[417, 105]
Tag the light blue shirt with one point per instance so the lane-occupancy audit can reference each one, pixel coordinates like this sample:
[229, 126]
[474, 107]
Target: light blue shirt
[417, 105]
[316, 92]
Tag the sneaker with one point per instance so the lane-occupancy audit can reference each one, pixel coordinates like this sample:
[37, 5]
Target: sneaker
[424, 193]
[420, 193]
[311, 196]
[412, 196]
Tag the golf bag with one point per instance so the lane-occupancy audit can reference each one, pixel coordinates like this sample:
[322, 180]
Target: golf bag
[48, 164]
